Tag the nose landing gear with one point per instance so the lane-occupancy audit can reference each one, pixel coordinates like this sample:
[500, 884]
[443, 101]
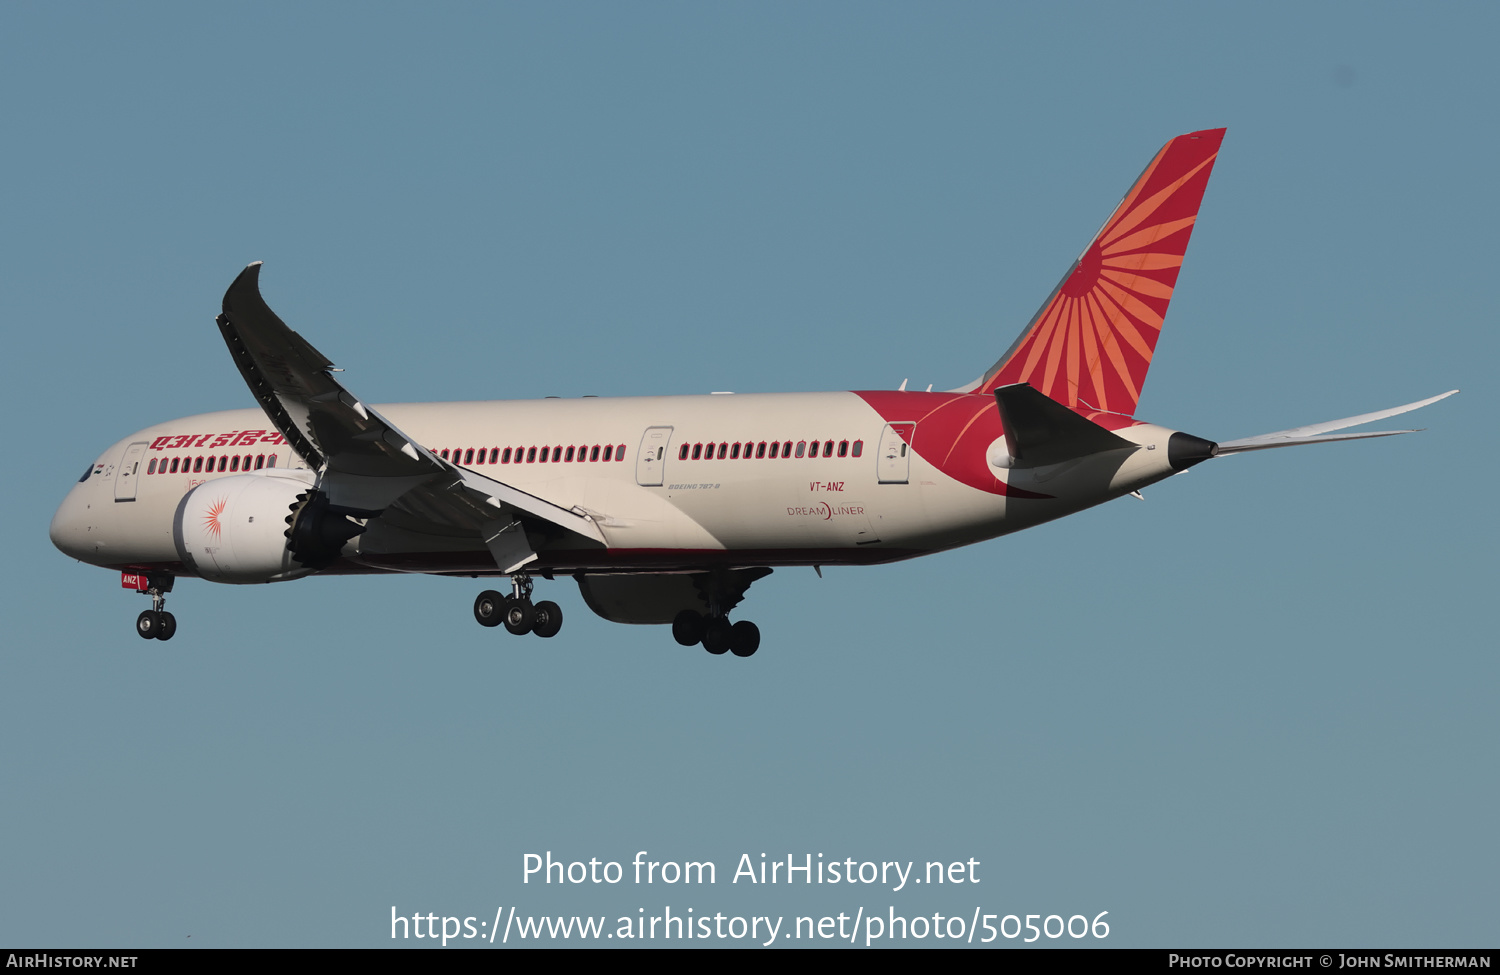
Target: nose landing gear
[516, 612]
[156, 623]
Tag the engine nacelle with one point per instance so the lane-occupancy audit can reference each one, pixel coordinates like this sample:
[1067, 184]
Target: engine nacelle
[234, 529]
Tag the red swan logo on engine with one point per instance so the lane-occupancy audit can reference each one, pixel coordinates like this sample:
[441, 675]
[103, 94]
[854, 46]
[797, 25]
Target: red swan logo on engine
[211, 519]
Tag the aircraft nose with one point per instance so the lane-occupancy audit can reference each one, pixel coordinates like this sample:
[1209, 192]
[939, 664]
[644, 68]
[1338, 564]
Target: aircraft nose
[72, 527]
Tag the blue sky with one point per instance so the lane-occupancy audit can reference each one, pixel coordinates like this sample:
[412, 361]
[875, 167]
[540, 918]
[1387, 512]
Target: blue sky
[1257, 709]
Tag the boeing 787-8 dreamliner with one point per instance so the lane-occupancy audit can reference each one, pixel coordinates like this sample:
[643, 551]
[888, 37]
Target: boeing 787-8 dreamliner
[664, 509]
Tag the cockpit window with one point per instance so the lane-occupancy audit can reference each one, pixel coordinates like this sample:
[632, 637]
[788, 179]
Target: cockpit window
[86, 472]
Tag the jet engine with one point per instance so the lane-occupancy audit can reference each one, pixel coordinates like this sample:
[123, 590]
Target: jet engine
[262, 527]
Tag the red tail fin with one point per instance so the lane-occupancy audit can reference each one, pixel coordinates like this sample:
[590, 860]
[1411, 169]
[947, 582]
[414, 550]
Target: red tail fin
[1091, 342]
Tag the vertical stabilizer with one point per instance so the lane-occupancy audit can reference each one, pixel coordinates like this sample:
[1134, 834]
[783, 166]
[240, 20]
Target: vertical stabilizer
[1092, 341]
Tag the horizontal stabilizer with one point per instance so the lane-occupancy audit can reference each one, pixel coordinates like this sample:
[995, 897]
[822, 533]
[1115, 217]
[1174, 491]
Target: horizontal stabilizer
[1041, 431]
[1319, 432]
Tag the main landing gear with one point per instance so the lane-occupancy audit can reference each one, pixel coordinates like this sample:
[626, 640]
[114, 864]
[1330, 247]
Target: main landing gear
[156, 623]
[517, 612]
[720, 591]
[716, 633]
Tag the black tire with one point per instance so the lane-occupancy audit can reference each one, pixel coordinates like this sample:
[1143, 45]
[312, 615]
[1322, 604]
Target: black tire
[548, 619]
[717, 634]
[744, 638]
[687, 628]
[520, 616]
[168, 627]
[148, 624]
[489, 608]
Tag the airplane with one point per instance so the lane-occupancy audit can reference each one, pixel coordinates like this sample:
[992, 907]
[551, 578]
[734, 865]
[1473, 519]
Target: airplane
[663, 509]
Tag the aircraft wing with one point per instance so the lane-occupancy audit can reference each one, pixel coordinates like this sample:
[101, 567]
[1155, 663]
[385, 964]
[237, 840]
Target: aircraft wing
[1322, 432]
[365, 463]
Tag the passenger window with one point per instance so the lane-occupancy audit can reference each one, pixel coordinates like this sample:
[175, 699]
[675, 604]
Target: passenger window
[697, 451]
[786, 449]
[570, 454]
[828, 449]
[444, 454]
[843, 448]
[468, 456]
[531, 455]
[150, 468]
[608, 448]
[546, 452]
[235, 465]
[174, 465]
[859, 447]
[505, 456]
[271, 460]
[682, 452]
[260, 461]
[734, 452]
[620, 453]
[802, 448]
[197, 464]
[723, 450]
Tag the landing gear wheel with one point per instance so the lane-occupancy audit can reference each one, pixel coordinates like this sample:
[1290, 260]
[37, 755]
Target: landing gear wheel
[717, 634]
[168, 627]
[687, 628]
[548, 618]
[148, 624]
[489, 608]
[520, 616]
[744, 638]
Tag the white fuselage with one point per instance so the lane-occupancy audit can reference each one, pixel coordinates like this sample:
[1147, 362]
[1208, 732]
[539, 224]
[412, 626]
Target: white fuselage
[863, 498]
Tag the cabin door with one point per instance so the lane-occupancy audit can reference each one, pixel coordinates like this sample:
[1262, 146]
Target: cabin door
[651, 459]
[129, 472]
[893, 455]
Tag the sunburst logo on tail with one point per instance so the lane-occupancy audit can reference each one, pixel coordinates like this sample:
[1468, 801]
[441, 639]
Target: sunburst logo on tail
[1092, 342]
[211, 520]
